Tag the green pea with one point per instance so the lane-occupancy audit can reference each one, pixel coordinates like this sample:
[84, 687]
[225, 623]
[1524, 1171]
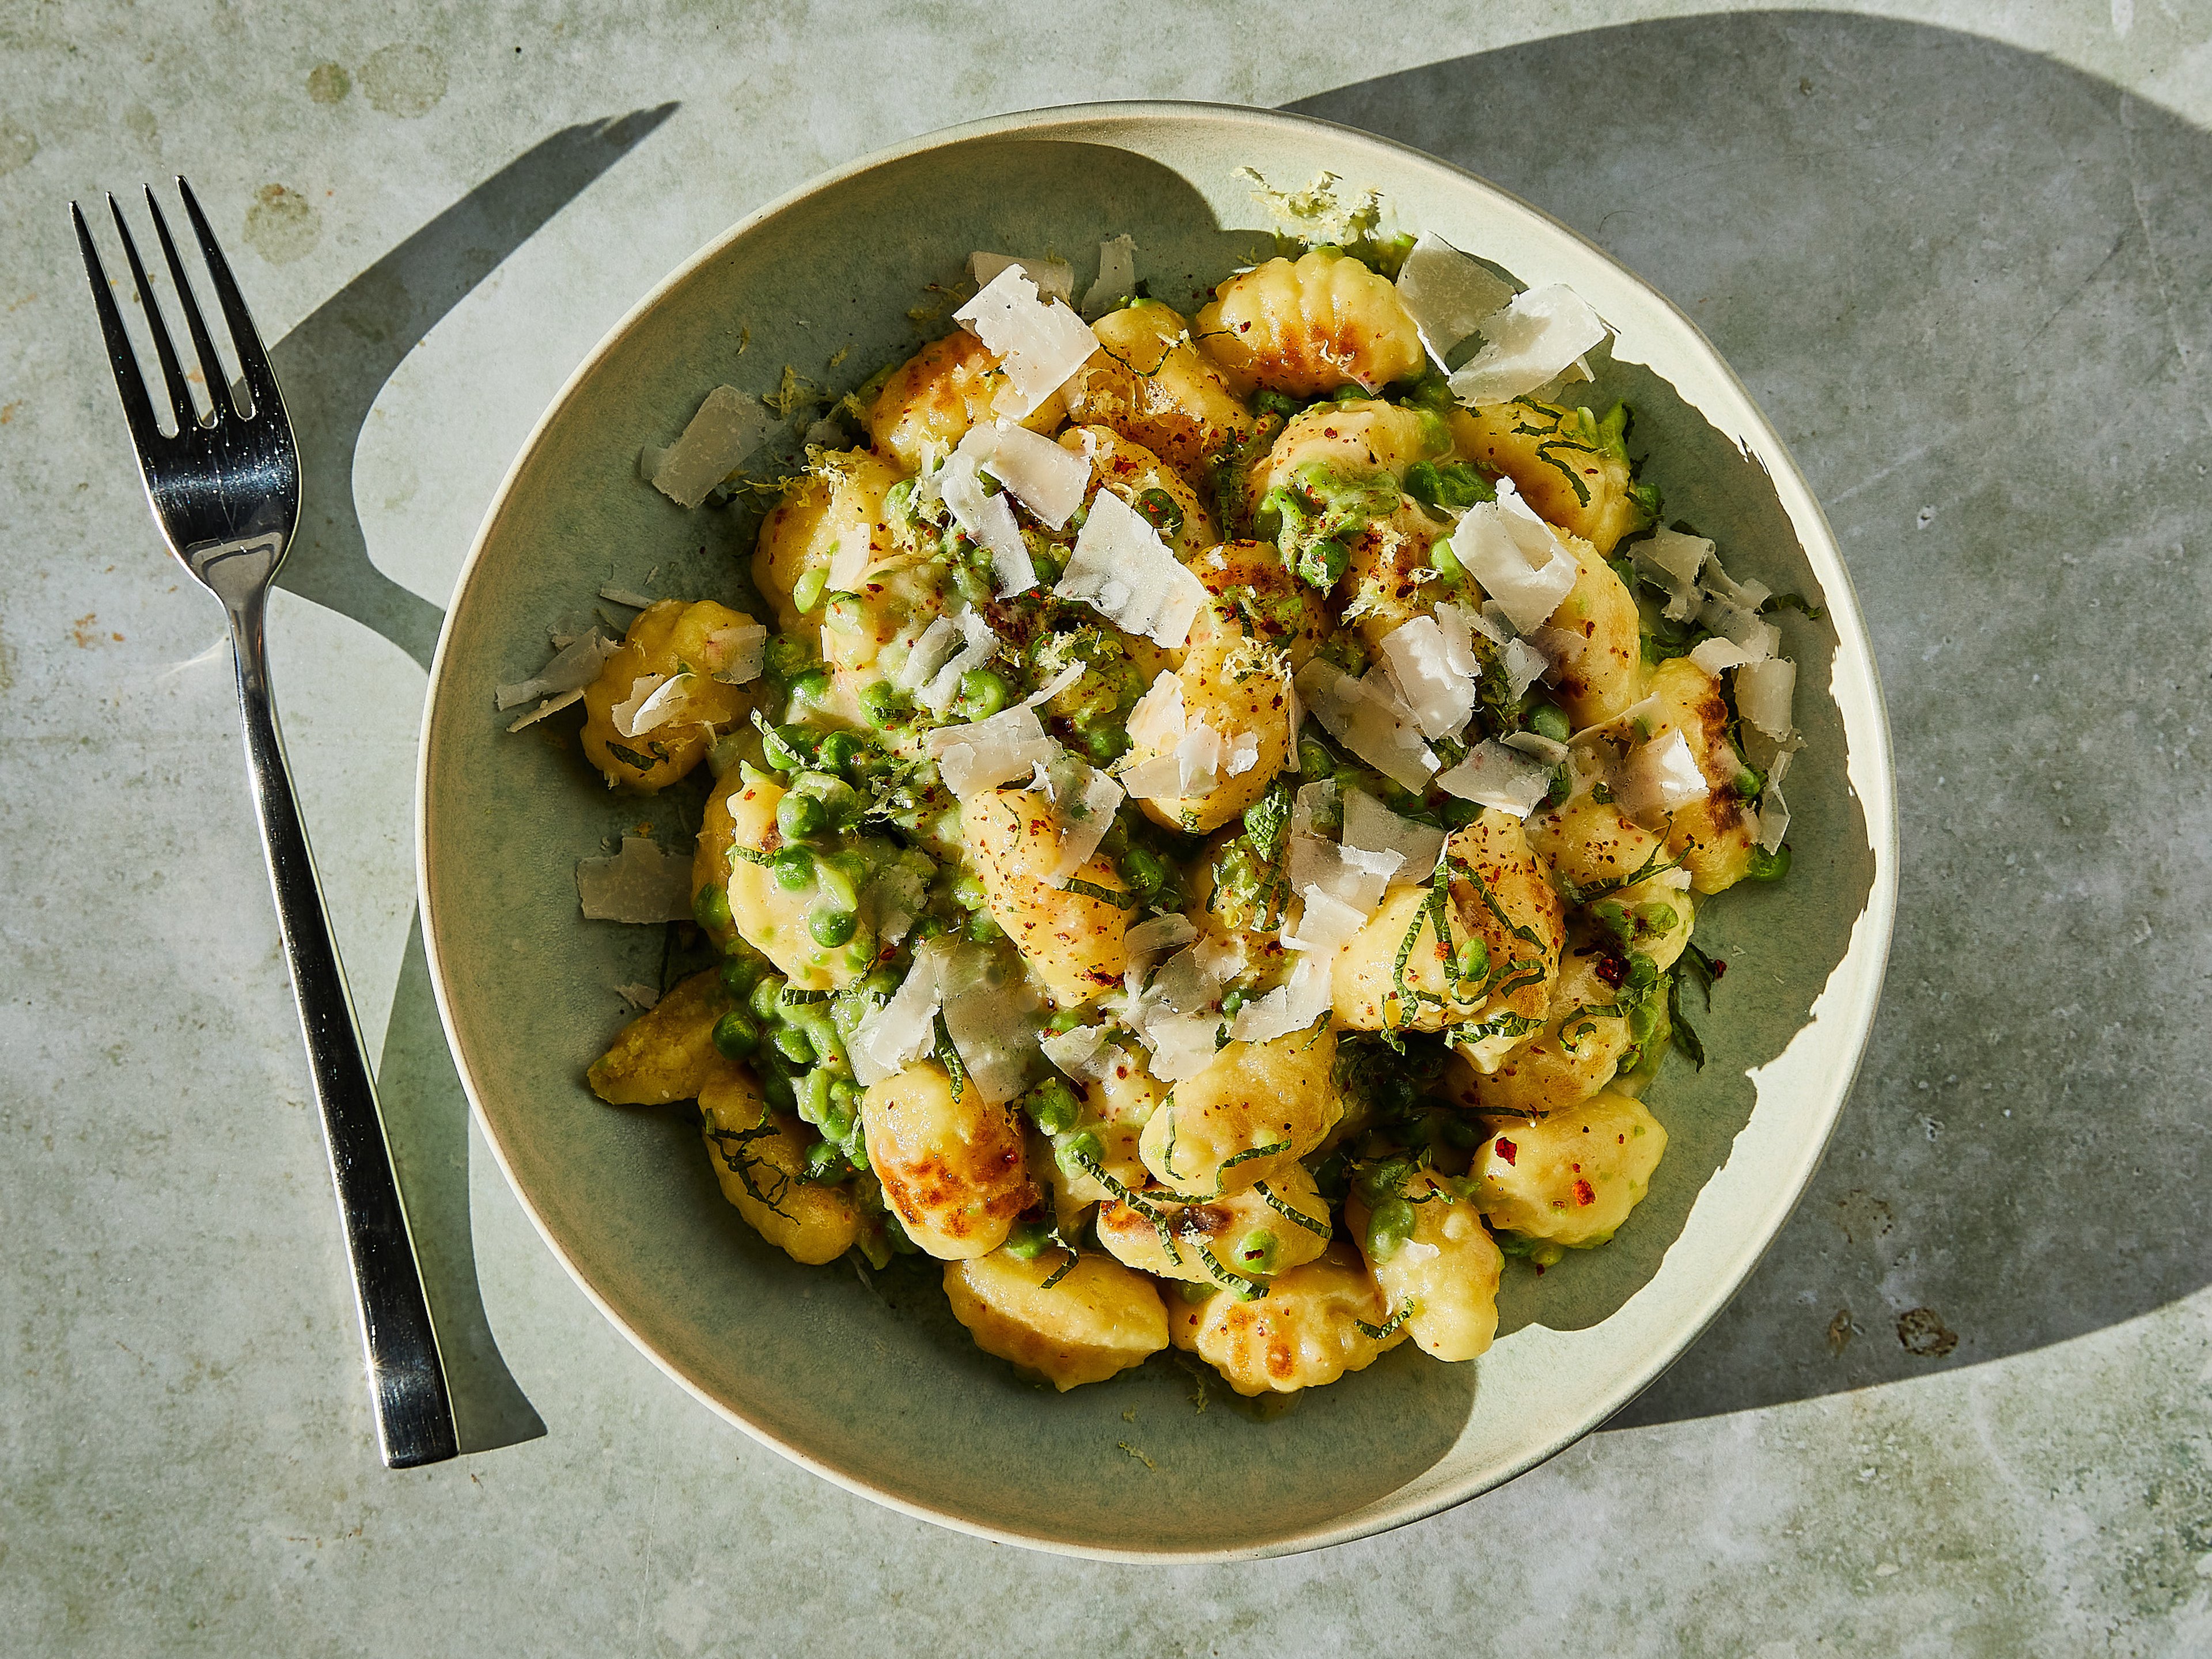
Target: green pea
[1389, 1224]
[1458, 814]
[814, 1096]
[785, 657]
[1255, 1253]
[1768, 866]
[794, 867]
[837, 1122]
[1472, 960]
[710, 908]
[1548, 720]
[838, 876]
[1322, 563]
[1748, 783]
[1073, 1152]
[810, 688]
[807, 591]
[736, 1035]
[779, 751]
[1102, 736]
[884, 983]
[846, 613]
[1144, 871]
[825, 1162]
[1047, 568]
[1422, 482]
[831, 928]
[767, 999]
[839, 751]
[1027, 1239]
[740, 974]
[982, 693]
[1459, 1132]
[844, 1096]
[1161, 510]
[1064, 1022]
[968, 892]
[973, 585]
[895, 1235]
[1054, 1107]
[1315, 761]
[1445, 562]
[983, 929]
[800, 816]
[1231, 1001]
[883, 703]
[792, 1044]
[1656, 918]
[1191, 1292]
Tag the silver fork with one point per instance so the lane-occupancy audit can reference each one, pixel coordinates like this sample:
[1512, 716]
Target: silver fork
[226, 493]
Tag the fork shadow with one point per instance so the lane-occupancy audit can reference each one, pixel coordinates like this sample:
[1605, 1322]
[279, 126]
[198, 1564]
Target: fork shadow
[1966, 281]
[332, 368]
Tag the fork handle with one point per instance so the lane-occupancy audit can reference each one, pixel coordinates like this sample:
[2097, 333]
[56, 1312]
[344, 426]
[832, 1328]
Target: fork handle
[406, 1375]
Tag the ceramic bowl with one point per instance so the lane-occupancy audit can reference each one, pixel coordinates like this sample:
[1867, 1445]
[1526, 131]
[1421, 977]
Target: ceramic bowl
[875, 1387]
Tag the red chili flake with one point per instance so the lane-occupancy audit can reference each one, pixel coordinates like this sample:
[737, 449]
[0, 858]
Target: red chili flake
[1584, 1193]
[1612, 970]
[1720, 966]
[1507, 1150]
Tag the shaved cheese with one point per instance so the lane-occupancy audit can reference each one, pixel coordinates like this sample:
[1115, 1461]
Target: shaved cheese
[1716, 656]
[1351, 875]
[1189, 980]
[1661, 776]
[1117, 277]
[574, 666]
[1122, 569]
[1537, 745]
[1198, 759]
[928, 653]
[1149, 938]
[1440, 695]
[1041, 342]
[1751, 593]
[848, 564]
[664, 705]
[1491, 623]
[1244, 753]
[1449, 295]
[1494, 775]
[1053, 687]
[895, 1036]
[1371, 827]
[737, 655]
[1084, 802]
[896, 898]
[992, 1017]
[1562, 648]
[1291, 1006]
[1741, 625]
[1359, 715]
[1313, 804]
[643, 690]
[1524, 666]
[979, 645]
[1459, 625]
[1157, 720]
[1673, 559]
[643, 883]
[640, 997]
[729, 426]
[987, 517]
[1773, 810]
[1082, 1053]
[985, 754]
[1054, 278]
[635, 600]
[1325, 924]
[1764, 691]
[1518, 559]
[1183, 1045]
[1048, 480]
[550, 706]
[1534, 338]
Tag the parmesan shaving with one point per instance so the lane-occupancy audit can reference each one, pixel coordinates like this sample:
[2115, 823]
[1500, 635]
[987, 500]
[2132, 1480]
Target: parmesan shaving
[1764, 691]
[550, 706]
[1123, 570]
[1449, 295]
[1117, 277]
[1183, 1045]
[629, 597]
[666, 704]
[574, 666]
[1536, 744]
[1773, 810]
[985, 754]
[737, 655]
[1439, 695]
[1053, 687]
[728, 426]
[1716, 656]
[1084, 1053]
[643, 883]
[1359, 714]
[979, 645]
[899, 1033]
[1085, 800]
[1524, 666]
[928, 653]
[993, 1018]
[642, 690]
[1494, 775]
[1517, 557]
[1048, 480]
[1157, 721]
[1149, 939]
[1371, 827]
[848, 569]
[1459, 625]
[1673, 559]
[986, 517]
[1244, 753]
[1661, 776]
[1040, 342]
[1325, 924]
[1054, 278]
[640, 997]
[1536, 337]
[1353, 876]
[1291, 1006]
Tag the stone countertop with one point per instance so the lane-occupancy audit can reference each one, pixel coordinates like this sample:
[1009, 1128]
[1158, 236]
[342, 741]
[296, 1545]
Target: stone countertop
[1961, 261]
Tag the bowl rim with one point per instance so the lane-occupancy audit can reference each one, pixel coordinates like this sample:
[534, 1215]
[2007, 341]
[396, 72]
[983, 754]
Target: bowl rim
[1876, 790]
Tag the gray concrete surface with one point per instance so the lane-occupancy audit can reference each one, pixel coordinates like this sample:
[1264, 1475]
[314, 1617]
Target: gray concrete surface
[1960, 258]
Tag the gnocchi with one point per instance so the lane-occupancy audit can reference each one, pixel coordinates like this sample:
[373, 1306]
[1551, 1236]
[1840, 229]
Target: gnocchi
[1272, 1047]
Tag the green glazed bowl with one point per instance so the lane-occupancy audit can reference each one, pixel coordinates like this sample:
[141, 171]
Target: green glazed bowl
[874, 1386]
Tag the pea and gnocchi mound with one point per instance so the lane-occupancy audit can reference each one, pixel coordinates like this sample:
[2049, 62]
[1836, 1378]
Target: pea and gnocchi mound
[1207, 816]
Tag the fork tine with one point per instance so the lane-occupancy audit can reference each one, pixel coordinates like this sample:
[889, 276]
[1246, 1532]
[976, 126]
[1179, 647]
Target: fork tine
[129, 384]
[181, 395]
[252, 360]
[210, 364]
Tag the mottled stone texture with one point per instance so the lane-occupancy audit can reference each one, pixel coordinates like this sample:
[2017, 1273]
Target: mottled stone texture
[1960, 1409]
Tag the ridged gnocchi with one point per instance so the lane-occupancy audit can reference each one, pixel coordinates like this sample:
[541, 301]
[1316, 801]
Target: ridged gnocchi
[1134, 1038]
